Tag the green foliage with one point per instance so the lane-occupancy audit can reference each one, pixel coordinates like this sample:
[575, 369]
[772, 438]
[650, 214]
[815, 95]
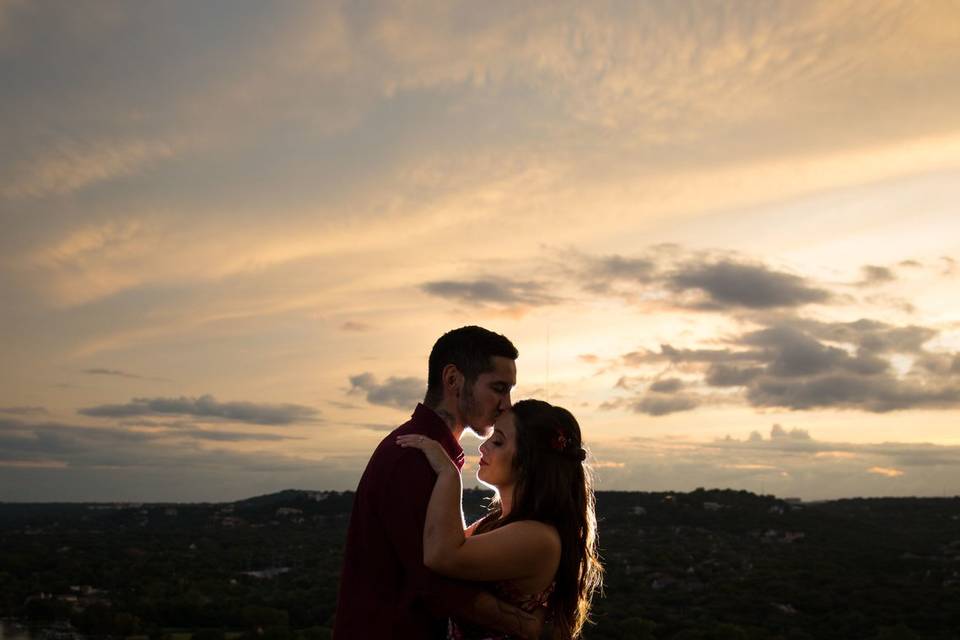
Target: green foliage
[208, 634]
[676, 568]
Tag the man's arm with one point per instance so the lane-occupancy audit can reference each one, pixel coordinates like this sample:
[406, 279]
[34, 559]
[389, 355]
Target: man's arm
[404, 509]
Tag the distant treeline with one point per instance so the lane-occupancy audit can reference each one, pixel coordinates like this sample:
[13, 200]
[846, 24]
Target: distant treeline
[714, 564]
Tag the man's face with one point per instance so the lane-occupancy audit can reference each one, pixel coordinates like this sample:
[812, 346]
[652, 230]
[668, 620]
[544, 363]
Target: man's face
[482, 402]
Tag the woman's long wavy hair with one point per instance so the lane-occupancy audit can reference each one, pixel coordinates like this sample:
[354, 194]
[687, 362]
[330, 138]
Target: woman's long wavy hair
[554, 486]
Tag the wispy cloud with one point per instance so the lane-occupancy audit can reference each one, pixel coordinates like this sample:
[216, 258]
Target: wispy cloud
[500, 292]
[207, 407]
[352, 325]
[98, 371]
[70, 166]
[23, 411]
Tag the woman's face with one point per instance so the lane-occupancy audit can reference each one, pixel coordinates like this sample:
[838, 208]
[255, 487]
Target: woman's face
[497, 453]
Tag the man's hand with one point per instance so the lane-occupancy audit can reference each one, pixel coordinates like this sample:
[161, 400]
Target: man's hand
[487, 611]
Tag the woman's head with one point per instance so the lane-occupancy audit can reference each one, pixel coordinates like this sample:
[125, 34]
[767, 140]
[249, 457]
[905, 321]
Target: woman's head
[536, 453]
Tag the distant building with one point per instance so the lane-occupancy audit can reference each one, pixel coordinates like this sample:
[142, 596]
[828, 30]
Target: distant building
[788, 609]
[267, 574]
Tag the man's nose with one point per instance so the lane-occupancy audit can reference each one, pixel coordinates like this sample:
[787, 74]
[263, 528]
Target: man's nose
[505, 402]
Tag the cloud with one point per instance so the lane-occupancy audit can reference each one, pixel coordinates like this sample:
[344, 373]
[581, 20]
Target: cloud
[116, 446]
[600, 274]
[804, 364]
[849, 391]
[874, 275]
[667, 385]
[679, 356]
[790, 352]
[726, 284]
[208, 407]
[501, 292]
[399, 393]
[120, 374]
[722, 375]
[50, 461]
[359, 327]
[71, 165]
[23, 411]
[800, 442]
[869, 335]
[777, 433]
[234, 436]
[949, 265]
[661, 404]
[887, 472]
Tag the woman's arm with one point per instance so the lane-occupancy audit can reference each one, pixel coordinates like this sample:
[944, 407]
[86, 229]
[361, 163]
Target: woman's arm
[443, 530]
[517, 550]
[405, 502]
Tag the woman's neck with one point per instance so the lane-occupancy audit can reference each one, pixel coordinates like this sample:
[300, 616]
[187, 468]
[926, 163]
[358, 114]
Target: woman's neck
[506, 501]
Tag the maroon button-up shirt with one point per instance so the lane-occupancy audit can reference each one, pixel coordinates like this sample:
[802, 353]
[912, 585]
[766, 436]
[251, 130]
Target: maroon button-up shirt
[385, 591]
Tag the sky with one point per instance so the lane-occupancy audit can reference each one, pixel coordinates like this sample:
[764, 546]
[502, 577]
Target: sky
[725, 235]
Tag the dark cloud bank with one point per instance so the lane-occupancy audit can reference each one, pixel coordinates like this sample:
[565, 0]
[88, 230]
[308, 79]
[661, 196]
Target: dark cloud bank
[42, 461]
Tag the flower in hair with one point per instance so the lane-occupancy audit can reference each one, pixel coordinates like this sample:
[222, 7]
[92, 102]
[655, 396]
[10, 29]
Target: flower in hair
[559, 441]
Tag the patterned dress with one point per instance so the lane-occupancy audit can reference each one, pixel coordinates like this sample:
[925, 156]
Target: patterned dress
[529, 602]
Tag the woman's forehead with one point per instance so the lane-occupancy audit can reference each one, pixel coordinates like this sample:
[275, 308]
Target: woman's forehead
[505, 424]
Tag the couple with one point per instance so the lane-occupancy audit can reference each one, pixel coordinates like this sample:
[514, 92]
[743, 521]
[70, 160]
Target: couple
[412, 570]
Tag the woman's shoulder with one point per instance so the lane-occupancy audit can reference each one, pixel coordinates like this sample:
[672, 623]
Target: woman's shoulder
[543, 532]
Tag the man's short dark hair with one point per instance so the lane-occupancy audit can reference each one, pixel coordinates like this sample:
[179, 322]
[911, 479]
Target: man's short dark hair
[471, 350]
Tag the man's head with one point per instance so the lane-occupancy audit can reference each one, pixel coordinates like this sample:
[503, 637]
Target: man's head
[471, 371]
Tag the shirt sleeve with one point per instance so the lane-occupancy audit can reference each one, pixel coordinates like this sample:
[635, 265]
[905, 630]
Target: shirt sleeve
[404, 510]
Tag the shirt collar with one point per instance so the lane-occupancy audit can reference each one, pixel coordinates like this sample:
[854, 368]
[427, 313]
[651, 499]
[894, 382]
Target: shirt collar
[434, 427]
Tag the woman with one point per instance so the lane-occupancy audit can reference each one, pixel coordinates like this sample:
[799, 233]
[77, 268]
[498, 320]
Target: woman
[537, 543]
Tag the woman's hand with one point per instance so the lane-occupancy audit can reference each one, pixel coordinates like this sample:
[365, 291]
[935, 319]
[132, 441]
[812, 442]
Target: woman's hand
[436, 454]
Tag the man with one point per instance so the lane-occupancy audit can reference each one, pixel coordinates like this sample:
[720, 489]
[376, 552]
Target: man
[385, 591]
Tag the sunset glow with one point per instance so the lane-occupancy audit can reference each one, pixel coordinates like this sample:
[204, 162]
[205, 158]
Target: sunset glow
[725, 236]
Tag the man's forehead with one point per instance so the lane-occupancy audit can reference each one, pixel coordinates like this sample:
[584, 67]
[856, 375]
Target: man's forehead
[504, 370]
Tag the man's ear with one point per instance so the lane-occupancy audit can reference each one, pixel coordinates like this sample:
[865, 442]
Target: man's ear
[452, 380]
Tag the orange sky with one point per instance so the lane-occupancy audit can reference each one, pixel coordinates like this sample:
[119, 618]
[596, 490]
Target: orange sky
[724, 236]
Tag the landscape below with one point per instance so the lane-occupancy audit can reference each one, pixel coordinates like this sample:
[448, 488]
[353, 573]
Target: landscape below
[715, 564]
